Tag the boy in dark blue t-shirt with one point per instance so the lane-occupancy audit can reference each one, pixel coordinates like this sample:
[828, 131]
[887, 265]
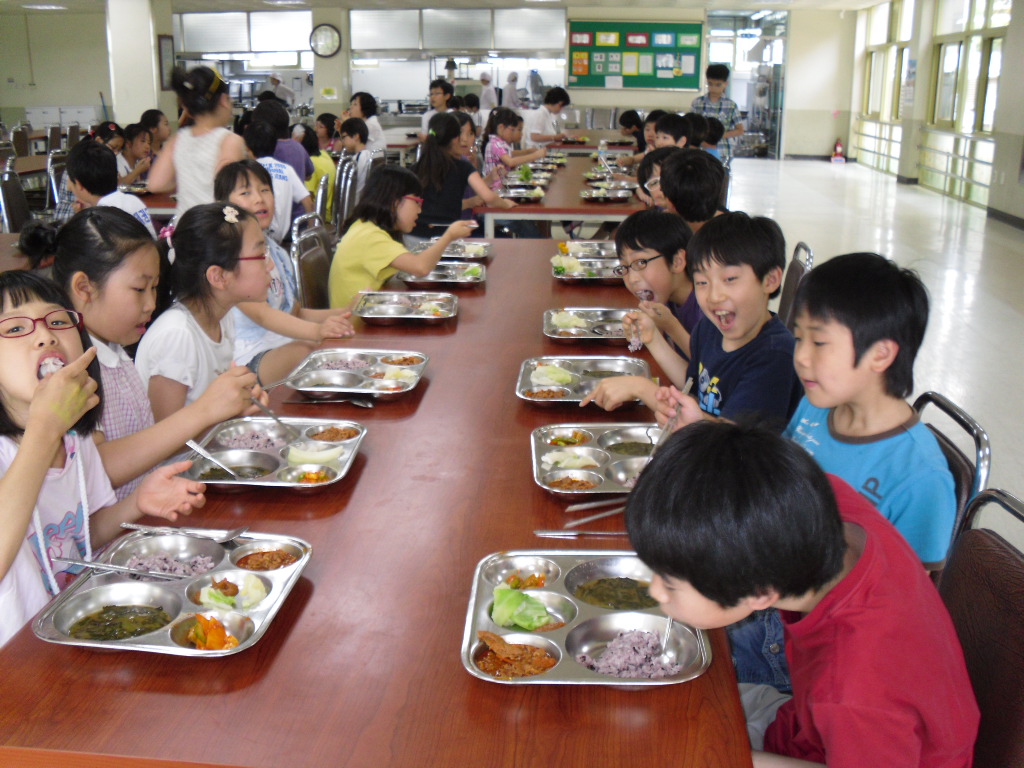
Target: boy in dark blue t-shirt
[741, 355]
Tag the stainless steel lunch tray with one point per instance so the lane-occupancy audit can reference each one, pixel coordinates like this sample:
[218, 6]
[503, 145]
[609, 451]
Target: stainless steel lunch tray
[522, 194]
[613, 184]
[93, 589]
[218, 442]
[451, 273]
[602, 324]
[329, 374]
[605, 195]
[536, 180]
[613, 472]
[393, 307]
[581, 384]
[464, 250]
[591, 248]
[587, 628]
[138, 188]
[592, 270]
[596, 174]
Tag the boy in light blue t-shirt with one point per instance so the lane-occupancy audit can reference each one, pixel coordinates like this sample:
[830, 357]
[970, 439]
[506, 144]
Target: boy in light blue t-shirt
[860, 320]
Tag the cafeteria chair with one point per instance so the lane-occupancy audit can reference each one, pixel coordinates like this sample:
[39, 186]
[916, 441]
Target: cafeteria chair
[313, 222]
[6, 152]
[321, 197]
[969, 477]
[795, 273]
[723, 193]
[344, 194]
[14, 210]
[53, 139]
[983, 589]
[19, 139]
[312, 265]
[74, 134]
[56, 164]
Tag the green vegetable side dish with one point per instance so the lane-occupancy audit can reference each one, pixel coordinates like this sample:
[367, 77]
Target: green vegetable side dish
[473, 271]
[602, 375]
[119, 622]
[616, 593]
[559, 270]
[514, 608]
[632, 448]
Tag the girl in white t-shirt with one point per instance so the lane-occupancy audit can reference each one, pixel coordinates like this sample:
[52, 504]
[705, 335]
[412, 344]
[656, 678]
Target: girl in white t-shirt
[219, 260]
[58, 502]
[110, 268]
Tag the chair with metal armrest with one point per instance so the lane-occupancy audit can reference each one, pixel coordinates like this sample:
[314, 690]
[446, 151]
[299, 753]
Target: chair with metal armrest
[790, 283]
[312, 265]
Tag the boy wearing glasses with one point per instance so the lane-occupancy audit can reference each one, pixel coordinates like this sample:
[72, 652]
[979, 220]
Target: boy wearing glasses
[651, 246]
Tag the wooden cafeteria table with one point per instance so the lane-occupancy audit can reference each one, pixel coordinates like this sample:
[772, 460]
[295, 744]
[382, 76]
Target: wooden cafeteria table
[562, 201]
[361, 666]
[30, 164]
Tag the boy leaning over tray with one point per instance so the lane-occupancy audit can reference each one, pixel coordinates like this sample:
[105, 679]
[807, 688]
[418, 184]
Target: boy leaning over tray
[734, 519]
[741, 355]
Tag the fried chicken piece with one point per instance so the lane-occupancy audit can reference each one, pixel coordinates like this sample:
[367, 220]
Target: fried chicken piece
[506, 660]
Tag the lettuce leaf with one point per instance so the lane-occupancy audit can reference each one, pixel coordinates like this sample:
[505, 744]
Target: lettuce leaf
[515, 608]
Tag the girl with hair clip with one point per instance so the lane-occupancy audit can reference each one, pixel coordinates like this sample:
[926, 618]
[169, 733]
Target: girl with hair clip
[109, 266]
[371, 250]
[58, 502]
[444, 176]
[220, 260]
[503, 128]
[133, 161]
[194, 155]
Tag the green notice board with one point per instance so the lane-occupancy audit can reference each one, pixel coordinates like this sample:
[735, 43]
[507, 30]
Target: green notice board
[625, 54]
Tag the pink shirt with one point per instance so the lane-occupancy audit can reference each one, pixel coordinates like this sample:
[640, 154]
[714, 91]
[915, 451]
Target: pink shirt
[496, 149]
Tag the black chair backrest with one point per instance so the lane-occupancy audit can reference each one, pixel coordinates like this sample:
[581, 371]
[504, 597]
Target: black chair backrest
[983, 589]
[74, 134]
[723, 195]
[322, 194]
[312, 270]
[6, 151]
[969, 478]
[13, 204]
[53, 138]
[791, 281]
[19, 138]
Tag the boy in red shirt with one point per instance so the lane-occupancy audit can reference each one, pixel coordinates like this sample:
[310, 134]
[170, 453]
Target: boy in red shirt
[734, 519]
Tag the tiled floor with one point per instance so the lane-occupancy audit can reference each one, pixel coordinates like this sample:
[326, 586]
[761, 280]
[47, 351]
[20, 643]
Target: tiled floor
[972, 265]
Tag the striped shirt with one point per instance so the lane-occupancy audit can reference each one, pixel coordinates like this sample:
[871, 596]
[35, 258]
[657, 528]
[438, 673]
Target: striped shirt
[726, 111]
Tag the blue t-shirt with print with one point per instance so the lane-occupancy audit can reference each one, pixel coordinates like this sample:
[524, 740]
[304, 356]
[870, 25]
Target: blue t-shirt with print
[755, 380]
[902, 472]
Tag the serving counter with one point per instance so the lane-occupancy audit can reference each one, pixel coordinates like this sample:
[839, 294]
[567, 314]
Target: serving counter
[361, 666]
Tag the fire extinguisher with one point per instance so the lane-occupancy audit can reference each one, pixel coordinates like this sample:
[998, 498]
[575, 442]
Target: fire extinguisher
[837, 152]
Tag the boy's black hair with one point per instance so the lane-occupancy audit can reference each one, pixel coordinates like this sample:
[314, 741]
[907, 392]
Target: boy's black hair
[94, 166]
[654, 116]
[355, 126]
[715, 131]
[261, 138]
[716, 72]
[557, 95]
[227, 178]
[631, 119]
[734, 239]
[471, 101]
[659, 231]
[674, 125]
[736, 511]
[199, 90]
[133, 131]
[17, 287]
[698, 128]
[455, 102]
[692, 180]
[654, 157]
[385, 188]
[447, 88]
[875, 299]
[367, 103]
[274, 113]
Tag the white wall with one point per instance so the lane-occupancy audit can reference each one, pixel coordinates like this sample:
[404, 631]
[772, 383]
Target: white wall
[819, 81]
[131, 44]
[68, 53]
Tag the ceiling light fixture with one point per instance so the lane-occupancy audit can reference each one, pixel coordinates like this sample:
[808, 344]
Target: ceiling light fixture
[42, 7]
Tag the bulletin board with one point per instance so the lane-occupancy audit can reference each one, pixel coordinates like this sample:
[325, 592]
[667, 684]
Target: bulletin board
[625, 54]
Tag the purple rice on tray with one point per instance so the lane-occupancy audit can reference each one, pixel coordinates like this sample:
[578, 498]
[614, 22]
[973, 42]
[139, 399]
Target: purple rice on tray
[631, 654]
[354, 364]
[194, 566]
[252, 441]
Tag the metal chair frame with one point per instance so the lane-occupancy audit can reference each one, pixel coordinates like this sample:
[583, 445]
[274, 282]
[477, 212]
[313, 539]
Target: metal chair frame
[313, 293]
[791, 282]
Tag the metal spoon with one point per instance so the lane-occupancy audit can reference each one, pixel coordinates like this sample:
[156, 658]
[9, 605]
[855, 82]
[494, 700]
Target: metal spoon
[206, 455]
[195, 533]
[666, 635]
[119, 568]
[289, 428]
[280, 382]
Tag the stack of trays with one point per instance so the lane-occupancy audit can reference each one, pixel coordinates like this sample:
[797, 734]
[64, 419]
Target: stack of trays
[599, 323]
[584, 374]
[588, 628]
[330, 374]
[392, 307]
[302, 460]
[617, 454]
[178, 598]
[457, 274]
